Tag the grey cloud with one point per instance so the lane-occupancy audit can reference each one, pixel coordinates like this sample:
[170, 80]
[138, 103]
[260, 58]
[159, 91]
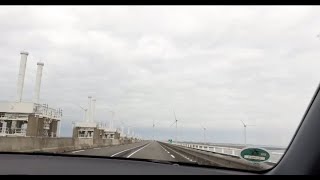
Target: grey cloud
[213, 65]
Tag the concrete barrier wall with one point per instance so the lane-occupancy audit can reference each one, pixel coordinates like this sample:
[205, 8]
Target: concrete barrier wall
[42, 144]
[107, 142]
[115, 141]
[83, 143]
[28, 144]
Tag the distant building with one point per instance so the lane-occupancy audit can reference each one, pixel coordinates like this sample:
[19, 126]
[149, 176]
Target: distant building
[91, 129]
[84, 129]
[88, 130]
[111, 134]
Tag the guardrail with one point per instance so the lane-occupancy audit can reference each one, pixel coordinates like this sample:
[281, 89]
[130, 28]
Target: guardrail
[44, 110]
[203, 157]
[274, 156]
[16, 131]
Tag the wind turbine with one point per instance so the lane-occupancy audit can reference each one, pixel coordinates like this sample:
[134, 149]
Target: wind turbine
[175, 121]
[245, 132]
[85, 112]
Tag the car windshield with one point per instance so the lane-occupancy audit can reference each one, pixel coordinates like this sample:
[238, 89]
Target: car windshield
[219, 86]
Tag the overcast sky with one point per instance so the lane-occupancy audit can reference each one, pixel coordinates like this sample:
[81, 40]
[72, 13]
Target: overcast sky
[213, 65]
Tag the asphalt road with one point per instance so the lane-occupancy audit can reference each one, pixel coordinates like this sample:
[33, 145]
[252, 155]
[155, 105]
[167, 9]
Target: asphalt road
[142, 150]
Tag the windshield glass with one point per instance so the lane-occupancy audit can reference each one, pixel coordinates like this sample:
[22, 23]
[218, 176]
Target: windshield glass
[208, 85]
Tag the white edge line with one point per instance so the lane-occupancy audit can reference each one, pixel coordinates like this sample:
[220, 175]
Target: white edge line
[137, 150]
[165, 149]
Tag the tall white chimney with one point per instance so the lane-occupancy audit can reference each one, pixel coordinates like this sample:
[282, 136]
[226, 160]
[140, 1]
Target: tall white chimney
[89, 109]
[93, 110]
[36, 93]
[21, 75]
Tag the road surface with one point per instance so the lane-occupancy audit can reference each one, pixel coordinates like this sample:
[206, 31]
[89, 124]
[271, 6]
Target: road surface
[141, 150]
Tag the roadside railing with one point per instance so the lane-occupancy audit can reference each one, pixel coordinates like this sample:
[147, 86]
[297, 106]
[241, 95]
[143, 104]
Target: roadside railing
[230, 151]
[16, 131]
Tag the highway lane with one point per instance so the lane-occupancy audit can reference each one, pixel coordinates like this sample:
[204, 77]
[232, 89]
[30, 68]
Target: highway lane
[110, 151]
[142, 150]
[181, 157]
[158, 151]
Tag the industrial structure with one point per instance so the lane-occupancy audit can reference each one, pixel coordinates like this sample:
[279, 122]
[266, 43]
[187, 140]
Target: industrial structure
[29, 118]
[34, 119]
[85, 129]
[90, 128]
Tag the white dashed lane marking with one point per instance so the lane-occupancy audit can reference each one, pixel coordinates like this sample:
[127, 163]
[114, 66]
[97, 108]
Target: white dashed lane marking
[181, 155]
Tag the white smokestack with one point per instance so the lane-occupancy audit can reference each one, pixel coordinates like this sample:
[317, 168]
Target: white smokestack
[36, 93]
[21, 75]
[89, 109]
[93, 109]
